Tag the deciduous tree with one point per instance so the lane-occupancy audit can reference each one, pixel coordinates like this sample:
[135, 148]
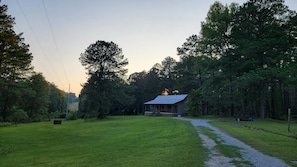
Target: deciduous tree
[36, 100]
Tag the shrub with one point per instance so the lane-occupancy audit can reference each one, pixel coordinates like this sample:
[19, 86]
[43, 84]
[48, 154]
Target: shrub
[18, 115]
[72, 116]
[4, 124]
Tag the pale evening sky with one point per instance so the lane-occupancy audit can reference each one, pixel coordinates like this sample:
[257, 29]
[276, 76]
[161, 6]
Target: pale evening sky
[58, 31]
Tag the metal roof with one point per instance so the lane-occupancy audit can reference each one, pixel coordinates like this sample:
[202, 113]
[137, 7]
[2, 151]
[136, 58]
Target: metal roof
[170, 99]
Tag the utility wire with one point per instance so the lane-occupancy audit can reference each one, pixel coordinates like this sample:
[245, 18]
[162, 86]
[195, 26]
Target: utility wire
[49, 75]
[38, 59]
[37, 40]
[55, 42]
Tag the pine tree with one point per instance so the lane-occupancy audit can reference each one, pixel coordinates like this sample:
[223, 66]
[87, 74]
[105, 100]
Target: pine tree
[15, 62]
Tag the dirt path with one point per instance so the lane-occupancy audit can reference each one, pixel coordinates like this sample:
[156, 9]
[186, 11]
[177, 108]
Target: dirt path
[250, 155]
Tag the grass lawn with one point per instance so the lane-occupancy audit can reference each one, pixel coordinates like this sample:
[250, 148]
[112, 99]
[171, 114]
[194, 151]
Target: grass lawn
[262, 135]
[115, 141]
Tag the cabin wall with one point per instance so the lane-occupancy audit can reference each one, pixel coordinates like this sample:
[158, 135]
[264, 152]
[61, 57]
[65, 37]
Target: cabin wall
[166, 109]
[181, 108]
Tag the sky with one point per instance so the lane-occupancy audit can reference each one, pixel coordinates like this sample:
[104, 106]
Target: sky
[58, 31]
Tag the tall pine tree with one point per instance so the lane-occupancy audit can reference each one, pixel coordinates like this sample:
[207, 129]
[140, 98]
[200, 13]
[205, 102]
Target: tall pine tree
[15, 62]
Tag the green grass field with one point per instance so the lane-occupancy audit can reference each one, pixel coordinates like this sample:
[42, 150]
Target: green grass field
[133, 141]
[268, 136]
[115, 141]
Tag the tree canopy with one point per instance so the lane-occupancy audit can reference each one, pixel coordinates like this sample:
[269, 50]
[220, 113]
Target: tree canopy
[245, 60]
[105, 59]
[242, 63]
[15, 63]
[105, 63]
[25, 95]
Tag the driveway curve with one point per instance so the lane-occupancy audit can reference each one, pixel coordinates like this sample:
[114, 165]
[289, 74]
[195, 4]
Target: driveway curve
[249, 154]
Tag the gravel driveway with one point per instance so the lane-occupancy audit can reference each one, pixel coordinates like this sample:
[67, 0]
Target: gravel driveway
[249, 154]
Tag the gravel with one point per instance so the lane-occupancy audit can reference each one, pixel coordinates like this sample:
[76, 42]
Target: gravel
[249, 154]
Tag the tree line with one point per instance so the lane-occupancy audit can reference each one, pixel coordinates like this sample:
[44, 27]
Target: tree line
[25, 96]
[246, 60]
[241, 63]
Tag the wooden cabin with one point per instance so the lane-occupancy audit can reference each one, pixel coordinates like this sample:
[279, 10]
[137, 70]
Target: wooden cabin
[170, 105]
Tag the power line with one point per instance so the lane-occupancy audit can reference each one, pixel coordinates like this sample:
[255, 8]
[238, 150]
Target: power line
[47, 59]
[46, 70]
[55, 42]
[19, 30]
[50, 76]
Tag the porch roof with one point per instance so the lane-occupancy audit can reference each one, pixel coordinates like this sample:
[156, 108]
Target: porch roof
[170, 99]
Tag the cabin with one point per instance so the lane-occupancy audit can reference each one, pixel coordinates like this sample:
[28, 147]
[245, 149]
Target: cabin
[170, 105]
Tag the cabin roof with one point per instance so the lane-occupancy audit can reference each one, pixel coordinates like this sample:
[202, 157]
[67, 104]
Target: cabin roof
[169, 99]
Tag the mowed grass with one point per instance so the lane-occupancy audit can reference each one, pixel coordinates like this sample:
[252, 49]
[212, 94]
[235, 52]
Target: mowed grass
[115, 141]
[271, 126]
[267, 136]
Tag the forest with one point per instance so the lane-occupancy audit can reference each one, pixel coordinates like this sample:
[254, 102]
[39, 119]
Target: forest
[25, 95]
[241, 63]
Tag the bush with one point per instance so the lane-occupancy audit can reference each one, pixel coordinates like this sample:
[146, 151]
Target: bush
[58, 114]
[4, 124]
[72, 116]
[18, 115]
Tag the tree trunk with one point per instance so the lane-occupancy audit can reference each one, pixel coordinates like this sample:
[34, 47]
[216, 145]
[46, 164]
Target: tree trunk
[286, 104]
[245, 103]
[5, 110]
[273, 115]
[231, 99]
[262, 100]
